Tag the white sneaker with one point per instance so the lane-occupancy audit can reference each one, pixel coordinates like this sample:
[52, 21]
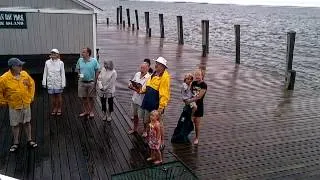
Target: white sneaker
[109, 118]
[104, 117]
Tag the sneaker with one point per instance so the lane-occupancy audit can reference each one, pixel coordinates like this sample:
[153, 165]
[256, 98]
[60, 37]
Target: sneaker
[104, 117]
[144, 134]
[109, 118]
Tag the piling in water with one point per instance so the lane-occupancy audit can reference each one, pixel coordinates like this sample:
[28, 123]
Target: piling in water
[180, 30]
[149, 32]
[161, 26]
[137, 18]
[128, 17]
[290, 74]
[205, 35]
[237, 36]
[120, 12]
[146, 18]
[118, 15]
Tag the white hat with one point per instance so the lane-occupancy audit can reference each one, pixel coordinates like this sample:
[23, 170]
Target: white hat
[162, 61]
[55, 51]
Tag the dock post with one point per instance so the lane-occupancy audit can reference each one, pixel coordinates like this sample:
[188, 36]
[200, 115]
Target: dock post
[237, 35]
[98, 56]
[124, 24]
[205, 36]
[146, 18]
[149, 32]
[132, 27]
[180, 30]
[290, 74]
[120, 12]
[161, 26]
[108, 21]
[137, 18]
[118, 15]
[128, 17]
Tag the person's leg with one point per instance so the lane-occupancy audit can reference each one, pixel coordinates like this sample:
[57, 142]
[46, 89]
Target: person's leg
[135, 118]
[83, 94]
[162, 131]
[59, 103]
[103, 101]
[90, 106]
[158, 158]
[15, 132]
[53, 104]
[27, 129]
[27, 126]
[146, 121]
[196, 121]
[110, 108]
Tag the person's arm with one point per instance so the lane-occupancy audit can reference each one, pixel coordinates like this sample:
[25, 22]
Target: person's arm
[158, 130]
[31, 87]
[63, 75]
[164, 93]
[199, 96]
[45, 74]
[97, 70]
[3, 101]
[78, 66]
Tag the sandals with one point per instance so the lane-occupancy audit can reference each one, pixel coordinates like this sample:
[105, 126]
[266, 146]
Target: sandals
[131, 131]
[14, 148]
[32, 144]
[83, 114]
[157, 162]
[149, 159]
[53, 113]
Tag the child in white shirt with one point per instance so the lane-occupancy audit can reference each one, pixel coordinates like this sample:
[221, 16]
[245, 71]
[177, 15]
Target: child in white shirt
[186, 91]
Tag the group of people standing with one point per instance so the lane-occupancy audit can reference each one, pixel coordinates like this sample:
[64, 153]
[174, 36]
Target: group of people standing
[151, 94]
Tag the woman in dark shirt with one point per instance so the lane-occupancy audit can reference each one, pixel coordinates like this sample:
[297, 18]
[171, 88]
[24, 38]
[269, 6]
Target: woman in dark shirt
[199, 89]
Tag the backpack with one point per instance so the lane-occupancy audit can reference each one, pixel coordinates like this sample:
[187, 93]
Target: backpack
[184, 127]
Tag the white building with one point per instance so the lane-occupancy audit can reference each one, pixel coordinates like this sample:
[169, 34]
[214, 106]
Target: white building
[29, 29]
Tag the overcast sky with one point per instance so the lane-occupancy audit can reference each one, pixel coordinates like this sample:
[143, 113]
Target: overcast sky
[310, 3]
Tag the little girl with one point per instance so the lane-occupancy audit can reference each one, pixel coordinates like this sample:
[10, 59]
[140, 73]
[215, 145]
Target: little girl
[55, 80]
[154, 138]
[186, 91]
[106, 87]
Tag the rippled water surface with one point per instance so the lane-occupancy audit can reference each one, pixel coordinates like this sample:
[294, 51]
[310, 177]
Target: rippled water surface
[263, 32]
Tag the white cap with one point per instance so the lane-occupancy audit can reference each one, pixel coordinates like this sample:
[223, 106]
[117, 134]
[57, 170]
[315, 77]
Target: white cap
[162, 61]
[55, 51]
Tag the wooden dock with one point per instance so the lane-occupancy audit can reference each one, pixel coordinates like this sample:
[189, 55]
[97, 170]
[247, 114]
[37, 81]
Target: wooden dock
[252, 129]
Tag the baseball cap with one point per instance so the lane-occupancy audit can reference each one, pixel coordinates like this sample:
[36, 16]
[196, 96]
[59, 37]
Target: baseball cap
[55, 51]
[15, 62]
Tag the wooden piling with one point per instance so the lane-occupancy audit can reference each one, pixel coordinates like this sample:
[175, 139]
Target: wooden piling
[161, 26]
[118, 12]
[108, 21]
[205, 35]
[237, 36]
[132, 27]
[124, 24]
[180, 30]
[146, 18]
[149, 32]
[128, 17]
[137, 18]
[290, 74]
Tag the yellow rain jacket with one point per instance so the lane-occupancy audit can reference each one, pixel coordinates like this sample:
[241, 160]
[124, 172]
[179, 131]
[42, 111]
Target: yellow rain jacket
[17, 93]
[157, 92]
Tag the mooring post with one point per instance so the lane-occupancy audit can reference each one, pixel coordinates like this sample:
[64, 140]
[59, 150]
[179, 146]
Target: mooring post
[120, 12]
[132, 27]
[237, 38]
[205, 35]
[137, 18]
[124, 24]
[180, 30]
[149, 32]
[161, 26]
[128, 17]
[146, 18]
[290, 74]
[118, 15]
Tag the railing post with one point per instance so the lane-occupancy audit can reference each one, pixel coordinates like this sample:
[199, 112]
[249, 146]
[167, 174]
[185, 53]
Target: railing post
[161, 26]
[118, 15]
[180, 29]
[120, 12]
[146, 18]
[128, 17]
[137, 18]
[290, 74]
[237, 38]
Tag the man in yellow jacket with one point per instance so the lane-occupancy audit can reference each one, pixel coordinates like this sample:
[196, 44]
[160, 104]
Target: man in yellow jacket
[157, 93]
[17, 91]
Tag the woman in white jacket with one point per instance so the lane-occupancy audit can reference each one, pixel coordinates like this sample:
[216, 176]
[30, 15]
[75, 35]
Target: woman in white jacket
[55, 80]
[106, 87]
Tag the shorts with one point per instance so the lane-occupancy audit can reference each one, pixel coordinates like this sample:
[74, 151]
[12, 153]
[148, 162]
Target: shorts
[136, 110]
[86, 89]
[18, 116]
[198, 112]
[55, 91]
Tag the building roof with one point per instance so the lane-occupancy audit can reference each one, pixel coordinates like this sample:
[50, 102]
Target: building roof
[87, 5]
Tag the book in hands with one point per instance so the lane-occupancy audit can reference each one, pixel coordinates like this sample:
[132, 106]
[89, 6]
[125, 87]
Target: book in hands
[136, 84]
